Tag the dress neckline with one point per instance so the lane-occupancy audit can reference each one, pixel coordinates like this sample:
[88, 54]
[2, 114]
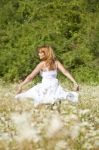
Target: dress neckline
[48, 70]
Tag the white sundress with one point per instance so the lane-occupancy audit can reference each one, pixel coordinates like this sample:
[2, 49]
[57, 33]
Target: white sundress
[48, 91]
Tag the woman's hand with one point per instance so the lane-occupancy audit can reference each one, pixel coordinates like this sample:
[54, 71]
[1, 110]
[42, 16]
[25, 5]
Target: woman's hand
[19, 89]
[76, 87]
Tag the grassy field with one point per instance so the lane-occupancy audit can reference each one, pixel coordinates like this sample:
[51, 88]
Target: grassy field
[64, 126]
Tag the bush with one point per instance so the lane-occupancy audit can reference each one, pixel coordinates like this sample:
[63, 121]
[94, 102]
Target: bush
[71, 27]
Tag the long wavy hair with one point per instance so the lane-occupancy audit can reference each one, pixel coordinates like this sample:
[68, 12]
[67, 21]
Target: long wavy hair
[49, 56]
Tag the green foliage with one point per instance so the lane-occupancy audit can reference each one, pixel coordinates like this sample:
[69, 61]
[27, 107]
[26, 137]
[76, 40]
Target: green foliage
[70, 26]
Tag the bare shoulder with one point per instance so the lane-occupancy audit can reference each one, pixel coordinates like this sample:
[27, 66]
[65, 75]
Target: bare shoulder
[58, 62]
[60, 66]
[41, 63]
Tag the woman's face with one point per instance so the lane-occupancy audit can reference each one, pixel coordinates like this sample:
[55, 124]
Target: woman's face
[41, 54]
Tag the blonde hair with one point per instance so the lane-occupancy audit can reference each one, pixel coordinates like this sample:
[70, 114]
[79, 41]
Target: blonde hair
[49, 56]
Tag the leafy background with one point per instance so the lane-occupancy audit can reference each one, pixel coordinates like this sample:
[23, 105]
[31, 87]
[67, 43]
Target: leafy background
[71, 27]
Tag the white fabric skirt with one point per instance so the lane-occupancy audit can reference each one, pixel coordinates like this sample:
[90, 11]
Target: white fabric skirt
[48, 91]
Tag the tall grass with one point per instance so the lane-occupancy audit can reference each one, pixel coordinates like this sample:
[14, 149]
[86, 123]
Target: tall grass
[63, 126]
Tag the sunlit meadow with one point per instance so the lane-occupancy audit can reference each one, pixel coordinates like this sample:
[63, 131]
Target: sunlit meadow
[62, 126]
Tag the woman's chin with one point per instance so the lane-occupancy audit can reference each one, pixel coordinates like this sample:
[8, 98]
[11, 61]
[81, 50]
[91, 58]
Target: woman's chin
[41, 58]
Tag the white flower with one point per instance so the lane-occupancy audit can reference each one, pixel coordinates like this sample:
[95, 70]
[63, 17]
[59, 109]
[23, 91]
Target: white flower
[74, 131]
[73, 117]
[24, 128]
[96, 143]
[61, 145]
[84, 111]
[20, 119]
[54, 126]
[88, 146]
[5, 136]
[84, 123]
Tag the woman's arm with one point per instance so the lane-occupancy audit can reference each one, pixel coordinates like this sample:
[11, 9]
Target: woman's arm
[30, 76]
[67, 74]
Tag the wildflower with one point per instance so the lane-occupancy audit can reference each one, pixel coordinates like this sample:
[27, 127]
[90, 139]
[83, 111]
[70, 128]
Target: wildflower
[83, 112]
[74, 131]
[54, 126]
[24, 128]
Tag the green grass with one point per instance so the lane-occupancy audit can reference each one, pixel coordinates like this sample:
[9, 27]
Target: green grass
[62, 126]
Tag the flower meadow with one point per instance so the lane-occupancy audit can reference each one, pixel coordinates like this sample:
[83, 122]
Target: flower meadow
[61, 126]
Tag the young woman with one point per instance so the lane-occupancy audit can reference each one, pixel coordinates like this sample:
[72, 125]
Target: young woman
[49, 90]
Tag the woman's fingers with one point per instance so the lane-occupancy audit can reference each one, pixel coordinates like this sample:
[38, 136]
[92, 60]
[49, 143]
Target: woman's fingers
[19, 90]
[76, 87]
